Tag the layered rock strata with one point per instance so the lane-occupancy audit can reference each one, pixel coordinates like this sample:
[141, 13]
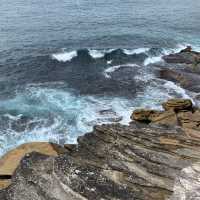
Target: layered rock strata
[142, 161]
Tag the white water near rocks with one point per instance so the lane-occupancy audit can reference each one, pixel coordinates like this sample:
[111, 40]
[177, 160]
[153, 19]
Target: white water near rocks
[58, 116]
[41, 53]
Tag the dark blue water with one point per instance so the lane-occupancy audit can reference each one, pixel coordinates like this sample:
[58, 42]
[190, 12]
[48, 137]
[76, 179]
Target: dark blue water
[67, 65]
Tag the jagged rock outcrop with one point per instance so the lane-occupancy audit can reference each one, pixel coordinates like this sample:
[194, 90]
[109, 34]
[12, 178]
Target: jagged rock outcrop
[184, 56]
[140, 161]
[182, 68]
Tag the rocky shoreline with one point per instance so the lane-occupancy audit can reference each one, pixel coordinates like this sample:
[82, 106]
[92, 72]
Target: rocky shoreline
[155, 157]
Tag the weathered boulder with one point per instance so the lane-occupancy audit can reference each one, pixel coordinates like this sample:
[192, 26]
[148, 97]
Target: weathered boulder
[177, 104]
[183, 107]
[144, 115]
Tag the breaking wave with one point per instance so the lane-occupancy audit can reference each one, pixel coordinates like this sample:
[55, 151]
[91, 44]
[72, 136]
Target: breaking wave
[65, 56]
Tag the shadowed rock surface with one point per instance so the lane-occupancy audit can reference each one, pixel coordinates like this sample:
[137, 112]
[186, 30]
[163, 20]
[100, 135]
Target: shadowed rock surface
[182, 68]
[140, 161]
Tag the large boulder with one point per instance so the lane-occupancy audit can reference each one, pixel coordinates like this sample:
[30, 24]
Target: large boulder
[144, 115]
[178, 104]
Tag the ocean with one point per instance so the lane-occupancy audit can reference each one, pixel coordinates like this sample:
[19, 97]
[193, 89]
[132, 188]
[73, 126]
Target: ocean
[66, 65]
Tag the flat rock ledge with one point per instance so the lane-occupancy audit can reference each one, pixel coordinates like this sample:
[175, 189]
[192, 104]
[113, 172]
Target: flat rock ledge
[139, 161]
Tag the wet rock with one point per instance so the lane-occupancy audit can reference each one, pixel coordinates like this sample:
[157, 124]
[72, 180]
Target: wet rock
[187, 80]
[187, 49]
[107, 112]
[177, 104]
[184, 56]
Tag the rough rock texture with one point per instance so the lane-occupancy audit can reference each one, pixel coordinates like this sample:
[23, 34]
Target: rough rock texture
[182, 68]
[144, 115]
[156, 157]
[187, 184]
[115, 162]
[10, 161]
[184, 56]
[187, 80]
[177, 104]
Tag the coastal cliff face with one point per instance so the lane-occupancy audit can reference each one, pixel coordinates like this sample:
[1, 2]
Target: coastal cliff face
[155, 157]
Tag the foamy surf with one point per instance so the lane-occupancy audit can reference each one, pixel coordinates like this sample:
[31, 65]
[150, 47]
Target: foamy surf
[95, 53]
[107, 73]
[135, 51]
[64, 56]
[164, 52]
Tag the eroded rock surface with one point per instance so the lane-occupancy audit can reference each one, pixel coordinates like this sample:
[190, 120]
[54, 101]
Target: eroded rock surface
[182, 68]
[115, 161]
[10, 161]
[187, 186]
[184, 56]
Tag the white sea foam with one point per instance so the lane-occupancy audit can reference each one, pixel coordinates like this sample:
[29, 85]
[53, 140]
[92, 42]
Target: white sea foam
[151, 60]
[64, 56]
[55, 115]
[96, 53]
[157, 59]
[135, 51]
[110, 70]
[172, 86]
[109, 62]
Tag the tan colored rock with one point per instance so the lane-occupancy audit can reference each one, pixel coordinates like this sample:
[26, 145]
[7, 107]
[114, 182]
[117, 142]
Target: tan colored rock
[189, 120]
[166, 118]
[192, 133]
[10, 161]
[4, 183]
[178, 104]
[144, 115]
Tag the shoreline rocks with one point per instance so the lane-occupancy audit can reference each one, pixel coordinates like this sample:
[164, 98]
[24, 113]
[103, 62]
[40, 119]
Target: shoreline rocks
[137, 161]
[10, 161]
[155, 157]
[185, 70]
[186, 56]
